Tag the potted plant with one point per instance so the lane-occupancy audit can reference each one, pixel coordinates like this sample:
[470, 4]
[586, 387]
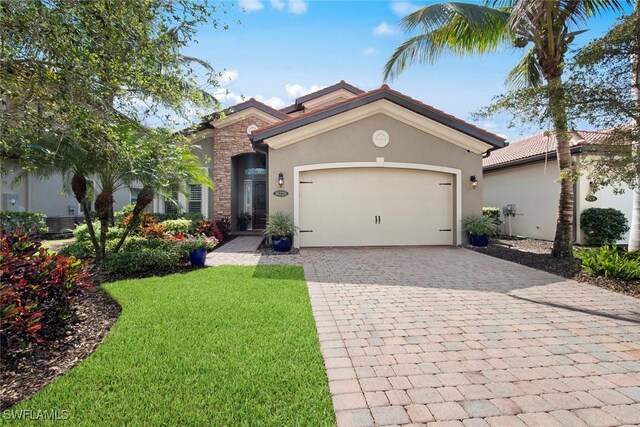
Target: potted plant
[197, 247]
[479, 228]
[280, 229]
[243, 220]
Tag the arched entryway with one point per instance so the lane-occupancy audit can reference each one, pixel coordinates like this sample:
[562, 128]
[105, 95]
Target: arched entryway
[249, 190]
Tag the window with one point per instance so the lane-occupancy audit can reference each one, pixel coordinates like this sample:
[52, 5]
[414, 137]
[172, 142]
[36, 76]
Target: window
[171, 204]
[195, 198]
[134, 194]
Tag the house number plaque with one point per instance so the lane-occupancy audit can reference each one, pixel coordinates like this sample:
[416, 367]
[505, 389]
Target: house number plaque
[281, 193]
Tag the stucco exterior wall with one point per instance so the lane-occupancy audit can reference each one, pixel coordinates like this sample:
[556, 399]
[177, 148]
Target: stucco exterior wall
[533, 190]
[352, 143]
[45, 195]
[7, 188]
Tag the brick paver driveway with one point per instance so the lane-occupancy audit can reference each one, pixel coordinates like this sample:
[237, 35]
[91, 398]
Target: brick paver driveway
[447, 336]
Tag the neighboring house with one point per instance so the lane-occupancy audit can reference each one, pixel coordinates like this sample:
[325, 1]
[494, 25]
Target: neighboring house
[525, 174]
[353, 168]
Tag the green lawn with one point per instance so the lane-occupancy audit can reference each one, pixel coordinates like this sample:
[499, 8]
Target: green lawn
[57, 244]
[221, 346]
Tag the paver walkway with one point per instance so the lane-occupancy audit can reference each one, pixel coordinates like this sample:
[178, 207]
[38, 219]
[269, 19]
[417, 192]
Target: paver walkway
[242, 251]
[450, 337]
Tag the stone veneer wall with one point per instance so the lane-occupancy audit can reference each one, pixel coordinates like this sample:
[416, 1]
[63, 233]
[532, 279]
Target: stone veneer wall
[229, 141]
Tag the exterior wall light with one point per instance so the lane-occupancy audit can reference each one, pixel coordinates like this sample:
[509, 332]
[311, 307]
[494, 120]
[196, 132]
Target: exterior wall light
[280, 179]
[474, 181]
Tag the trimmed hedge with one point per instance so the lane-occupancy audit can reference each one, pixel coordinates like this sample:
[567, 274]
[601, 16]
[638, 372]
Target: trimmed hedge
[492, 212]
[81, 232]
[603, 226]
[129, 263]
[31, 221]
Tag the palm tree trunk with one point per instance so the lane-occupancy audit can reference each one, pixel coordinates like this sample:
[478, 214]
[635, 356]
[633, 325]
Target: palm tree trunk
[563, 241]
[634, 232]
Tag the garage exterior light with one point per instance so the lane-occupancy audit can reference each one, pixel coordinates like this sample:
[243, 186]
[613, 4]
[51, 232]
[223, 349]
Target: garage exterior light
[280, 179]
[474, 181]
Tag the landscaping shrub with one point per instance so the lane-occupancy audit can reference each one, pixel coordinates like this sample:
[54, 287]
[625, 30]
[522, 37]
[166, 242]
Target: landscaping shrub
[31, 221]
[223, 224]
[493, 213]
[195, 217]
[79, 249]
[178, 226]
[37, 290]
[132, 262]
[210, 229]
[152, 231]
[609, 261]
[603, 226]
[119, 217]
[81, 232]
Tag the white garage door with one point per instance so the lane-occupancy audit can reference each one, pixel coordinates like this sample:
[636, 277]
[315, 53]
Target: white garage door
[375, 207]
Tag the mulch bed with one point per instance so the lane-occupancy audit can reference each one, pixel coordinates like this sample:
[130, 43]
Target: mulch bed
[537, 254]
[24, 373]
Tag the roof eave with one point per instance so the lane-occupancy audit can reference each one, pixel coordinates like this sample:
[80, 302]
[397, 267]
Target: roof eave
[460, 126]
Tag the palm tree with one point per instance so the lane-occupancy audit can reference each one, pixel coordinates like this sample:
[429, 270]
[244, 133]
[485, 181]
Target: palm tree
[545, 27]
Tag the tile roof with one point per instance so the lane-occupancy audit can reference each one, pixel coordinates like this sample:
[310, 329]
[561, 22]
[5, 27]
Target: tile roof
[297, 105]
[384, 92]
[536, 145]
[251, 102]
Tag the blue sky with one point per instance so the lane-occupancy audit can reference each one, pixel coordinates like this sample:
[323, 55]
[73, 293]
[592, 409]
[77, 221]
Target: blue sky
[283, 49]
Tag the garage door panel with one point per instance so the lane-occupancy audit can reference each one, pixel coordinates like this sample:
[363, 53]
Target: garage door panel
[340, 207]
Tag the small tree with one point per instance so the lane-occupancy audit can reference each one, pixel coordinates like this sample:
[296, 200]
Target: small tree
[605, 91]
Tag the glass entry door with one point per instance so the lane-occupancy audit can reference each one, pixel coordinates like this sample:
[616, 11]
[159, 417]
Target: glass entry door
[255, 203]
[259, 201]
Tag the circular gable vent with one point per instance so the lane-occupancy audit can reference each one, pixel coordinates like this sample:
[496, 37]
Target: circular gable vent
[380, 138]
[251, 128]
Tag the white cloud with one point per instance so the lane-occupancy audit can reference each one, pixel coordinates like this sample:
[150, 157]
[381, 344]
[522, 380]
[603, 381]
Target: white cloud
[489, 125]
[278, 4]
[403, 8]
[228, 76]
[251, 5]
[297, 7]
[369, 52]
[227, 98]
[296, 90]
[385, 29]
[274, 101]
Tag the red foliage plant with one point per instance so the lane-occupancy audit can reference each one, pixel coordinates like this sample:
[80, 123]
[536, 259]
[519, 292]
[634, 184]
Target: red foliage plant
[210, 229]
[37, 290]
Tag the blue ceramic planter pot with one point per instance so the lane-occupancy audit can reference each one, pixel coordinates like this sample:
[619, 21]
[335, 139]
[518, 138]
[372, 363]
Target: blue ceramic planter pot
[476, 240]
[198, 257]
[281, 243]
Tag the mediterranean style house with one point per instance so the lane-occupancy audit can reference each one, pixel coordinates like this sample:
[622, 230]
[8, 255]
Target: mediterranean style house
[353, 168]
[521, 179]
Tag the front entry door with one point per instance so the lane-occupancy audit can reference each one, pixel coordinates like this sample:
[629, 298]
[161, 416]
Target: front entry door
[259, 205]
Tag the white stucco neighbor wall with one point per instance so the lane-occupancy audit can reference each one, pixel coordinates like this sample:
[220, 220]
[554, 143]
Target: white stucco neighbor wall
[533, 190]
[45, 195]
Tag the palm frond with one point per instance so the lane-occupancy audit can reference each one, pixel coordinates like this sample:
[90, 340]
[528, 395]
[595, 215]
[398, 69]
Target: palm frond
[526, 73]
[457, 28]
[186, 59]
